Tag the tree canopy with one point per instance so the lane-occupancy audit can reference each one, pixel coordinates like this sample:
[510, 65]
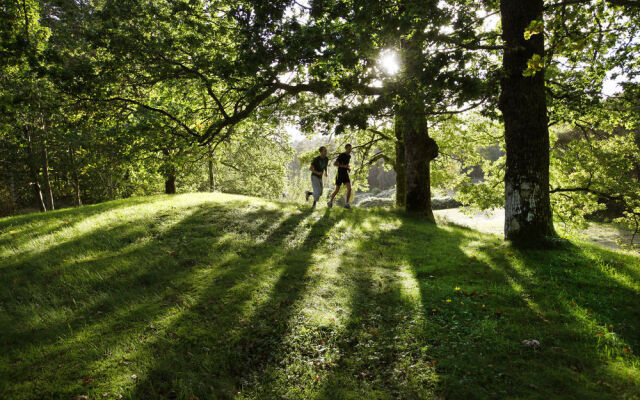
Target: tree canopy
[105, 99]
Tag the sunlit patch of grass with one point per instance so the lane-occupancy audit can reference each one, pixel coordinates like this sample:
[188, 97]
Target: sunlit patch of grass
[219, 296]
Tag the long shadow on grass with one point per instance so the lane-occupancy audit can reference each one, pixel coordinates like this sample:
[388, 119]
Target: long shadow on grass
[378, 350]
[17, 230]
[108, 303]
[202, 308]
[81, 212]
[501, 296]
[384, 351]
[225, 341]
[478, 301]
[586, 315]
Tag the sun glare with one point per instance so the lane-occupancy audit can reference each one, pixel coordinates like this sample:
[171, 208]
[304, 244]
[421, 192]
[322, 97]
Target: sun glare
[389, 62]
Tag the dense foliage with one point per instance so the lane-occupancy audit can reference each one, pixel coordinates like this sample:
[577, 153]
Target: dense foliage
[107, 99]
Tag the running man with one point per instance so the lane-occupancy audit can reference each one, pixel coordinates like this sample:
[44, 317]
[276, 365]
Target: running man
[342, 162]
[317, 167]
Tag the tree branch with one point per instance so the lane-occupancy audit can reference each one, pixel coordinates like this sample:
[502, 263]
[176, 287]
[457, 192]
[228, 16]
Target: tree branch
[471, 107]
[377, 132]
[622, 3]
[214, 129]
[158, 110]
[204, 79]
[585, 190]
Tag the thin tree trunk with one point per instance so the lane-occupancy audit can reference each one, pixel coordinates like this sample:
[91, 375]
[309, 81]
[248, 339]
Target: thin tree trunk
[45, 169]
[34, 171]
[112, 194]
[75, 180]
[401, 194]
[12, 192]
[528, 216]
[210, 169]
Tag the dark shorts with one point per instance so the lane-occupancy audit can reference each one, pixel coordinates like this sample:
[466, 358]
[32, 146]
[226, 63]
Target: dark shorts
[342, 177]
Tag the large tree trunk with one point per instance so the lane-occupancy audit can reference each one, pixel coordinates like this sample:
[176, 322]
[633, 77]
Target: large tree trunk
[47, 180]
[75, 182]
[169, 173]
[528, 217]
[34, 171]
[170, 184]
[210, 169]
[419, 151]
[411, 119]
[399, 165]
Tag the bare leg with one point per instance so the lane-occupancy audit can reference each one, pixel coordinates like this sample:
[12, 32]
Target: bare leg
[348, 185]
[335, 192]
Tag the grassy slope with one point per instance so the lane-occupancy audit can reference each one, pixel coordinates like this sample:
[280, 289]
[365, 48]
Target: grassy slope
[217, 296]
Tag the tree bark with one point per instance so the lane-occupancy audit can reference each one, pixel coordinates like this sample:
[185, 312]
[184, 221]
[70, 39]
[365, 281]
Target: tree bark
[12, 192]
[169, 173]
[210, 169]
[75, 179]
[399, 165]
[45, 170]
[411, 119]
[34, 171]
[170, 184]
[419, 151]
[110, 187]
[528, 218]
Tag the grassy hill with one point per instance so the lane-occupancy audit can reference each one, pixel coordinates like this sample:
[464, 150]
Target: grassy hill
[220, 296]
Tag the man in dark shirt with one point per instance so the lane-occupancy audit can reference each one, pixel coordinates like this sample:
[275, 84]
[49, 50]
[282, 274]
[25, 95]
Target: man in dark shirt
[317, 167]
[342, 162]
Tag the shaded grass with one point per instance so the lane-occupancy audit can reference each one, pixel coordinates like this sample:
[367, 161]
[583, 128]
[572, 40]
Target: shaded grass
[217, 296]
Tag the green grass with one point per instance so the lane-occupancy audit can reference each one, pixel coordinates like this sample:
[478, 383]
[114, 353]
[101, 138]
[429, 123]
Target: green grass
[219, 296]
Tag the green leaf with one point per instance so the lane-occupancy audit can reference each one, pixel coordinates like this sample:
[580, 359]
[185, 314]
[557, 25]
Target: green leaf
[534, 28]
